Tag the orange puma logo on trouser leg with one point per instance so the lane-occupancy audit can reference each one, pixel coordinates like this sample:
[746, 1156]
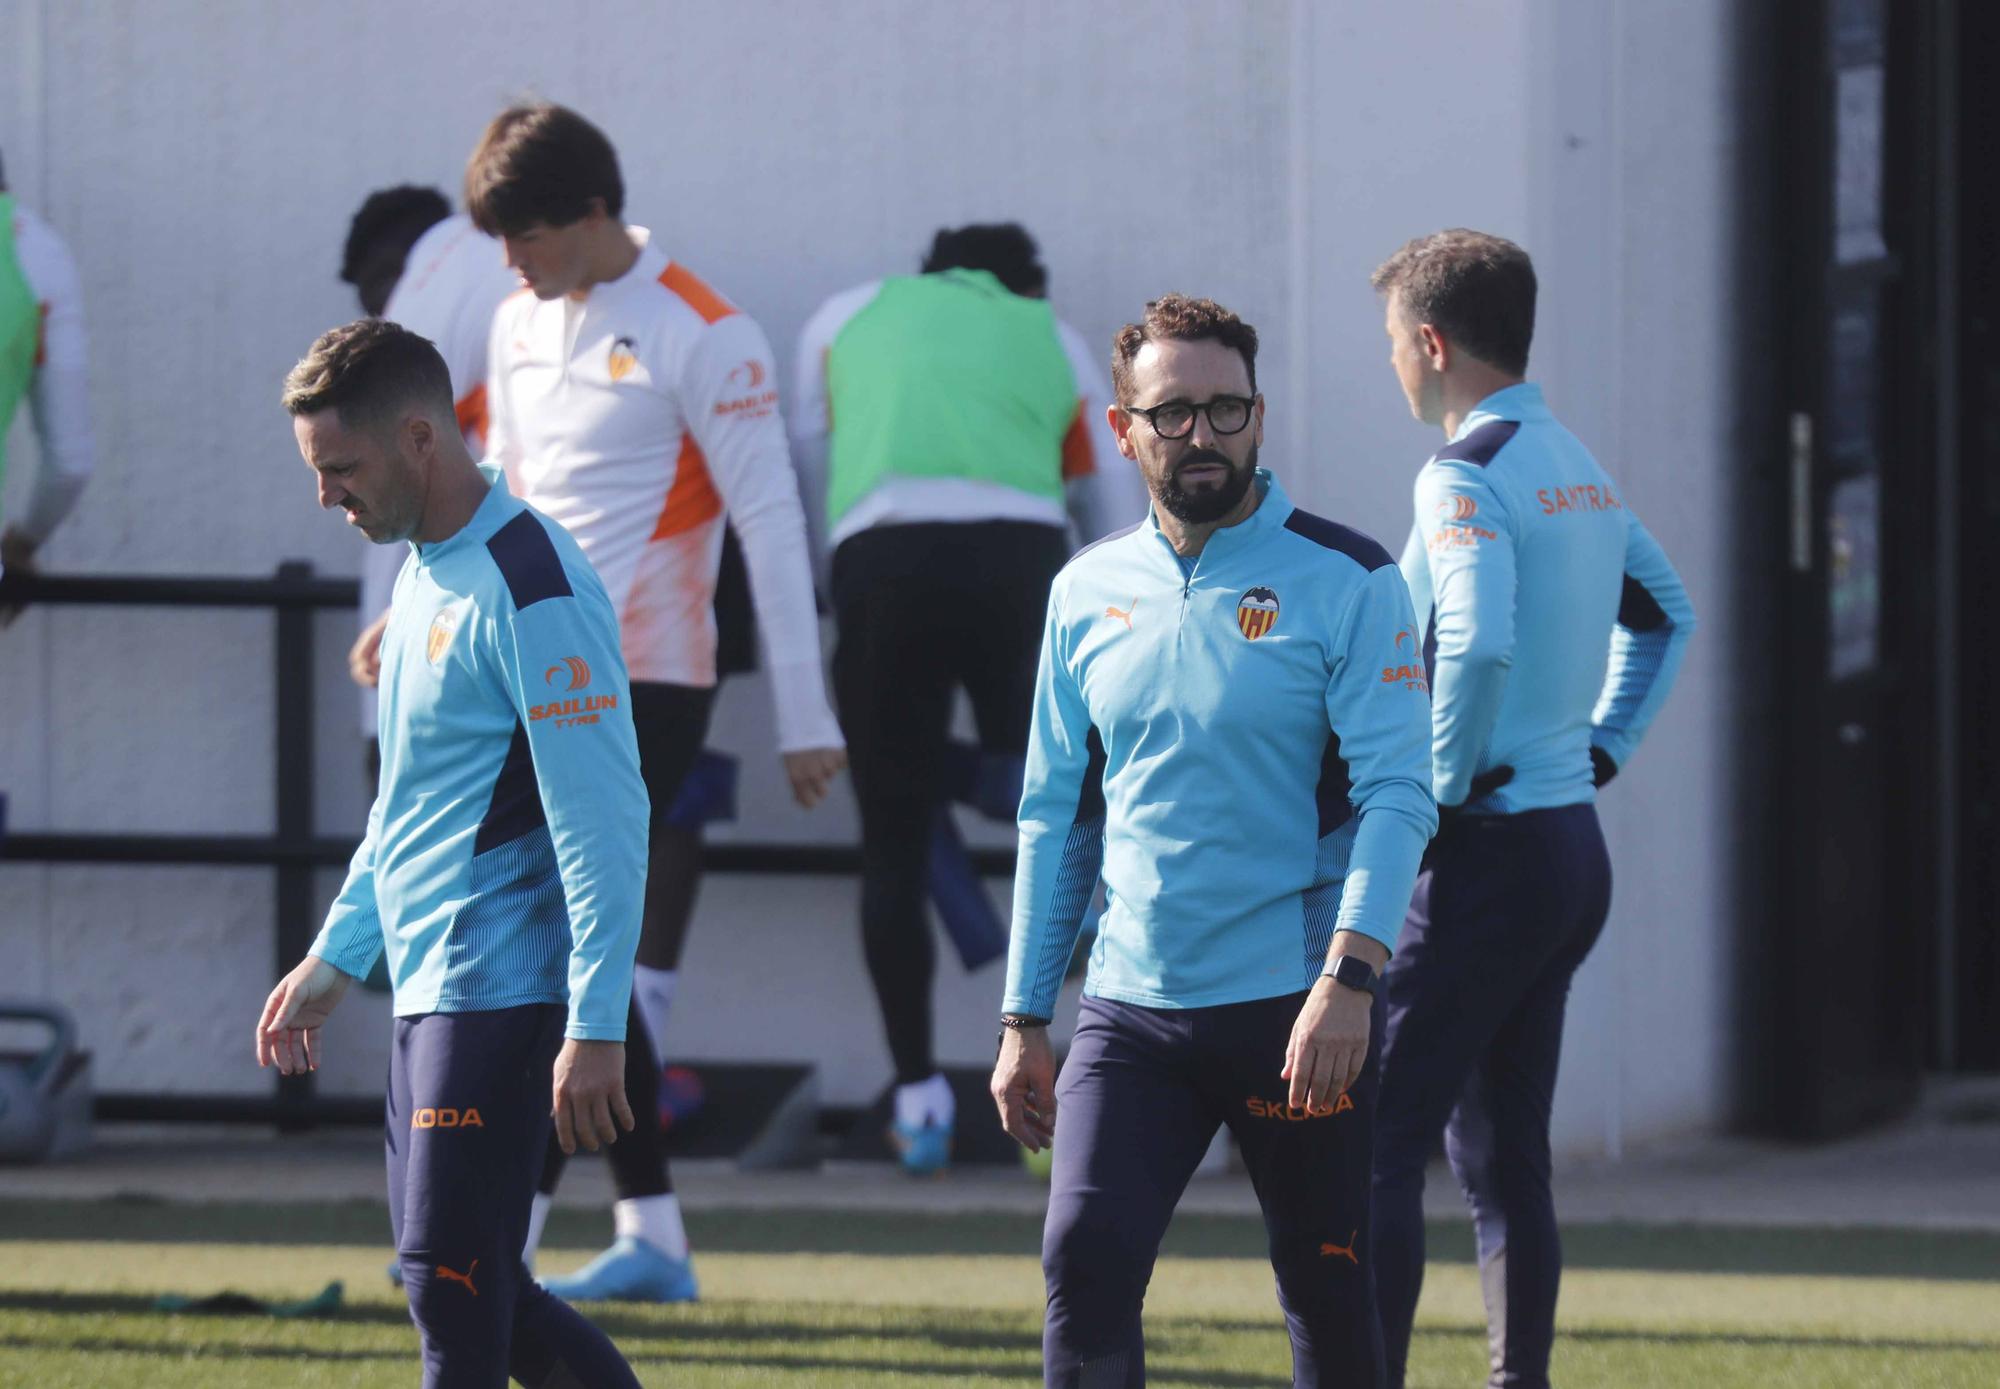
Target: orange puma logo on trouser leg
[1345, 1251]
[453, 1276]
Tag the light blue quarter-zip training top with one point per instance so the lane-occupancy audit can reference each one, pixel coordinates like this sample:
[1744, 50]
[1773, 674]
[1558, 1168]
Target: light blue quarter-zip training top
[505, 860]
[1554, 620]
[1241, 744]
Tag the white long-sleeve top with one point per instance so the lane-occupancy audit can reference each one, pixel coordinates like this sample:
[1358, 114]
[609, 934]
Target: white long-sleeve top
[59, 397]
[637, 418]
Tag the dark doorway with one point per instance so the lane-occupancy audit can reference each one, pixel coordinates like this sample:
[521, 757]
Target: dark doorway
[1859, 982]
[1969, 972]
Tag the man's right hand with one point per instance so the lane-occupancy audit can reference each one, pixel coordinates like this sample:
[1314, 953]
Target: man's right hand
[1483, 785]
[589, 1091]
[364, 658]
[1602, 768]
[811, 772]
[288, 1031]
[1024, 1087]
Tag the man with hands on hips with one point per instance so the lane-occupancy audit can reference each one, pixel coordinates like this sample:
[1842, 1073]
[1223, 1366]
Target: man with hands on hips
[504, 865]
[1558, 627]
[1231, 725]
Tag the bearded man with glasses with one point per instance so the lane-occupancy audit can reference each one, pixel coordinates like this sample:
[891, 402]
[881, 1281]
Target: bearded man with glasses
[1231, 725]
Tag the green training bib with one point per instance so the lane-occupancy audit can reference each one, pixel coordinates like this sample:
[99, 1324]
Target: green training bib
[948, 376]
[20, 329]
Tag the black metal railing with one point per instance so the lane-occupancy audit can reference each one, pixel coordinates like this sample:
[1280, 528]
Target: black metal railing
[294, 850]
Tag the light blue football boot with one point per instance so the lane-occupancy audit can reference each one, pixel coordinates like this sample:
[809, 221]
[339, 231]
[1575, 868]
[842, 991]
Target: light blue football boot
[924, 1150]
[631, 1270]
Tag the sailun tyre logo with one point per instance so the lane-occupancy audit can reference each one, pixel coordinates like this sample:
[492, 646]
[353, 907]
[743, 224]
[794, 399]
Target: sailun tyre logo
[757, 398]
[1408, 671]
[1257, 612]
[570, 674]
[1457, 508]
[565, 677]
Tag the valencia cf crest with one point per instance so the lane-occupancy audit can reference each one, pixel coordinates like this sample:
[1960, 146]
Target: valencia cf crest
[1257, 612]
[624, 358]
[443, 627]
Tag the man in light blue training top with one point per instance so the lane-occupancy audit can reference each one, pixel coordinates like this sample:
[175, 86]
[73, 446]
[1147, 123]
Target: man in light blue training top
[1554, 627]
[1230, 723]
[503, 868]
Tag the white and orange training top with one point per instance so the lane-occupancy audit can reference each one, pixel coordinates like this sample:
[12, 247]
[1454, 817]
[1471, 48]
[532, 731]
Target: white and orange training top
[453, 279]
[636, 418]
[456, 276]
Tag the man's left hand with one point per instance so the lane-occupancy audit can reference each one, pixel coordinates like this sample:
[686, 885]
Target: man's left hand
[1329, 1046]
[590, 1094]
[812, 771]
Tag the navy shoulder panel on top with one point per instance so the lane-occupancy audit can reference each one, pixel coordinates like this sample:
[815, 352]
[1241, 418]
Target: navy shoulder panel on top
[528, 561]
[1104, 540]
[1479, 447]
[1331, 535]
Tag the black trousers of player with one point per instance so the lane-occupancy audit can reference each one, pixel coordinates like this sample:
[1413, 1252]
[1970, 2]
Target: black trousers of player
[672, 721]
[923, 610]
[1138, 1102]
[1509, 908]
[468, 1115]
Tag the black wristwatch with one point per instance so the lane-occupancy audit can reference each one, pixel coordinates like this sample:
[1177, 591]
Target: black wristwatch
[1355, 973]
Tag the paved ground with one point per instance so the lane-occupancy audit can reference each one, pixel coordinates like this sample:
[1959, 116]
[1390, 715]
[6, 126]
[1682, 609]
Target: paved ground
[1939, 1170]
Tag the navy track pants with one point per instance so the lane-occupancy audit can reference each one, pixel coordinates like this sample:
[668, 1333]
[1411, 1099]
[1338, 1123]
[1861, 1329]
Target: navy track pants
[1510, 906]
[468, 1116]
[1141, 1094]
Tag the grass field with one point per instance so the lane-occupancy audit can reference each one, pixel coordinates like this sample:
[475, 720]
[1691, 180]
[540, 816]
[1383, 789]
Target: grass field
[825, 1299]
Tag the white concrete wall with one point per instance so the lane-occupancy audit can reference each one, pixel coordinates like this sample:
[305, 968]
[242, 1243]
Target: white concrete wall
[1634, 184]
[203, 161]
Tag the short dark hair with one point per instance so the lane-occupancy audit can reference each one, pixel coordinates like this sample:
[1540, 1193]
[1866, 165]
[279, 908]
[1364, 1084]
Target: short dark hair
[369, 371]
[1475, 288]
[540, 164]
[1003, 248]
[1182, 318]
[391, 217]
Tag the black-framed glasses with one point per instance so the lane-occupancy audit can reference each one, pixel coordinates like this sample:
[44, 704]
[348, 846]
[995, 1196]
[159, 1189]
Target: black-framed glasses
[1227, 414]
